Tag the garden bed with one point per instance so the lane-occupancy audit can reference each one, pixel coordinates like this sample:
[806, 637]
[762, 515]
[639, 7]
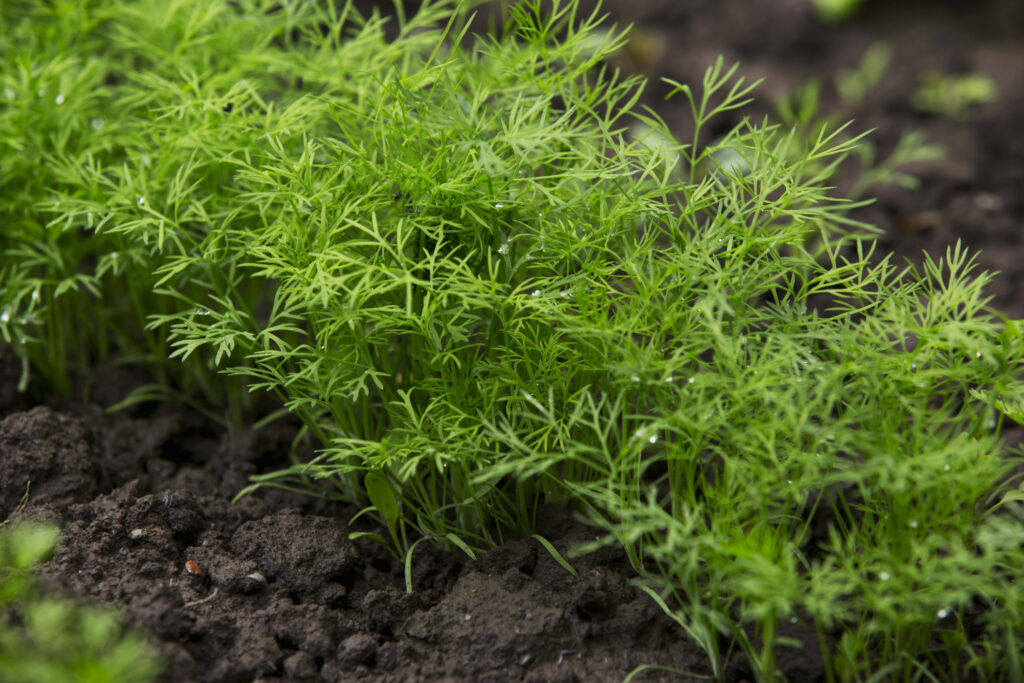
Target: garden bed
[271, 588]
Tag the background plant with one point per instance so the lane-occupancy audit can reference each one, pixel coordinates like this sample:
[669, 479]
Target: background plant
[953, 96]
[802, 110]
[46, 638]
[451, 259]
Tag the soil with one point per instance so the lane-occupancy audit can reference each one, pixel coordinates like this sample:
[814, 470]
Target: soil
[271, 588]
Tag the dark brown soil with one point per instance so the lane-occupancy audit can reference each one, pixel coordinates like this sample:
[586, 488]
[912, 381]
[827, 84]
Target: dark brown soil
[277, 591]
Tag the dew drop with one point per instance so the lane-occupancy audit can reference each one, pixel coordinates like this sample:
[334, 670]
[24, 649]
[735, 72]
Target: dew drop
[499, 206]
[59, 99]
[945, 468]
[635, 378]
[654, 438]
[5, 315]
[503, 249]
[977, 354]
[202, 311]
[883, 576]
[141, 201]
[8, 93]
[467, 617]
[145, 159]
[35, 296]
[535, 293]
[690, 381]
[792, 620]
[913, 524]
[913, 366]
[942, 613]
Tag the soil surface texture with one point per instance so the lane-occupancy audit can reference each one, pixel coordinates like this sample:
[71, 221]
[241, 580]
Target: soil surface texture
[271, 588]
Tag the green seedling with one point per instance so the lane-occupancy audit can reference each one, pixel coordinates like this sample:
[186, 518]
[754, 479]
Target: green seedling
[486, 280]
[953, 96]
[854, 85]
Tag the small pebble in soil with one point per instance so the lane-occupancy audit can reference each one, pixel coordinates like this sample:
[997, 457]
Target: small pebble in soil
[253, 583]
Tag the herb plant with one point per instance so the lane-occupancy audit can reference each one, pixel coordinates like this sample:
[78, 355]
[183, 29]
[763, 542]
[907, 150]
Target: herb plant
[450, 258]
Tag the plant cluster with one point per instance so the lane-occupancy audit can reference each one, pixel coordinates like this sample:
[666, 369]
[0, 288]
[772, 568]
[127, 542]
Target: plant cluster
[51, 639]
[479, 292]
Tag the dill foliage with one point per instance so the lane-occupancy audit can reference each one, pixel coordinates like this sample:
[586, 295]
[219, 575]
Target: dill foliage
[485, 279]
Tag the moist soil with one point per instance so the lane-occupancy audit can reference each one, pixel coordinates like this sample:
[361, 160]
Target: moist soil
[271, 588]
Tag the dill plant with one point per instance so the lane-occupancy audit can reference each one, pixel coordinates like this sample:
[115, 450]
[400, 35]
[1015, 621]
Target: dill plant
[479, 292]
